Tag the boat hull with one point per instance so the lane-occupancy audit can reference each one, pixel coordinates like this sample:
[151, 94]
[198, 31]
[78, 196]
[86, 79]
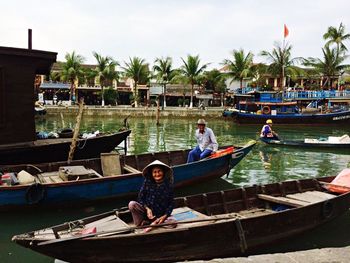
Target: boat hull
[53, 150]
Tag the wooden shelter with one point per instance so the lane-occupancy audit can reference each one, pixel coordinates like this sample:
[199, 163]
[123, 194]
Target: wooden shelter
[18, 68]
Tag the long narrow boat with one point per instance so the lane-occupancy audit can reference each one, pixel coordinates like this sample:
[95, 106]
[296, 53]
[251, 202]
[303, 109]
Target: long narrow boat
[52, 150]
[327, 143]
[341, 117]
[113, 176]
[233, 222]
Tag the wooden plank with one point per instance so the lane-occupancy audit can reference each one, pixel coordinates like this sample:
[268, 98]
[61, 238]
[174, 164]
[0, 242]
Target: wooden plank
[283, 200]
[131, 169]
[56, 179]
[311, 196]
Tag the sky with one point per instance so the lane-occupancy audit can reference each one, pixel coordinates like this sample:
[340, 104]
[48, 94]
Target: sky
[160, 28]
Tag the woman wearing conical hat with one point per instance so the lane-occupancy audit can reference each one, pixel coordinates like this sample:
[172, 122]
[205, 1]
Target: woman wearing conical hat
[156, 197]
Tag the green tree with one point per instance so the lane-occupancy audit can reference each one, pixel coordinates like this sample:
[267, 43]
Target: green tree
[214, 80]
[191, 69]
[110, 95]
[72, 70]
[330, 66]
[105, 71]
[282, 63]
[137, 70]
[336, 36]
[164, 73]
[240, 67]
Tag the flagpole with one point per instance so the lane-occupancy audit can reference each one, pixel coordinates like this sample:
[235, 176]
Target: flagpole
[283, 49]
[285, 33]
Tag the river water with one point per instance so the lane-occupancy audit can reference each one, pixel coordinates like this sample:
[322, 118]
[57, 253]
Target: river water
[263, 164]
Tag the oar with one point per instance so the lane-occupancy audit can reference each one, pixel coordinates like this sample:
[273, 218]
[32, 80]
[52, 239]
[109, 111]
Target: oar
[129, 229]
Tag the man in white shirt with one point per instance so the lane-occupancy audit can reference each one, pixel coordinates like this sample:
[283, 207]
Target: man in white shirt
[206, 142]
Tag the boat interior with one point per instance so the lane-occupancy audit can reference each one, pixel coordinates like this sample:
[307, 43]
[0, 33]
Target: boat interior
[198, 210]
[109, 164]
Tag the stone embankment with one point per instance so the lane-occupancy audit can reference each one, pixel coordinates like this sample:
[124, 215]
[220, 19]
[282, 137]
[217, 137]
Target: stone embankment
[148, 112]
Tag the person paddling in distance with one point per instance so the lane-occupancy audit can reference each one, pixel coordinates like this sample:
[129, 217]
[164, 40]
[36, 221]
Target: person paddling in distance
[267, 132]
[206, 142]
[156, 196]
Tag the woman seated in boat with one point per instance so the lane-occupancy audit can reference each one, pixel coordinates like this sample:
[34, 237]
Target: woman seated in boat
[267, 132]
[156, 197]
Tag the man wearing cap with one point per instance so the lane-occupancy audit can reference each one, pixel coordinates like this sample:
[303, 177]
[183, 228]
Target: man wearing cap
[267, 132]
[206, 142]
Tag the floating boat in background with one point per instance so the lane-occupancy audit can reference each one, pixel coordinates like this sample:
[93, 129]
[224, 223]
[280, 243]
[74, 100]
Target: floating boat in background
[55, 150]
[233, 222]
[329, 142]
[39, 109]
[341, 117]
[113, 176]
[257, 107]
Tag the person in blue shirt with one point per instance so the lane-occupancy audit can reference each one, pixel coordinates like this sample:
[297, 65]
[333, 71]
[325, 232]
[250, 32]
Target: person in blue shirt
[206, 142]
[267, 132]
[156, 197]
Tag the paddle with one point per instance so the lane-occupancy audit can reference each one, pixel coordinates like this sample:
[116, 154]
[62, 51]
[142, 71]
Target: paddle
[129, 229]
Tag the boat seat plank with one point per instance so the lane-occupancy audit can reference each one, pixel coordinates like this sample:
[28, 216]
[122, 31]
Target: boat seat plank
[311, 196]
[100, 221]
[56, 179]
[107, 224]
[283, 200]
[131, 169]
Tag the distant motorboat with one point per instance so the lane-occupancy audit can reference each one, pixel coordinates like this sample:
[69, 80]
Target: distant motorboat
[39, 109]
[328, 142]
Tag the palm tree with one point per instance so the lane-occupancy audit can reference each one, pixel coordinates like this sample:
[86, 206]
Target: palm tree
[105, 70]
[281, 62]
[331, 66]
[240, 67]
[164, 73]
[191, 70]
[72, 71]
[136, 69]
[214, 80]
[336, 36]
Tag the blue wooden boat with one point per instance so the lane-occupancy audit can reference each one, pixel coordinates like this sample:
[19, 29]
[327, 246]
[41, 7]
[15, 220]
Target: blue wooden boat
[257, 107]
[50, 188]
[336, 118]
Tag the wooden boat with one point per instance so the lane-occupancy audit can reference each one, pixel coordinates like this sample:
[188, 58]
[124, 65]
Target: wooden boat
[233, 222]
[330, 142]
[112, 176]
[53, 150]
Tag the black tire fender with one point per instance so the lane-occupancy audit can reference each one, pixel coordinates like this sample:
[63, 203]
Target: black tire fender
[35, 193]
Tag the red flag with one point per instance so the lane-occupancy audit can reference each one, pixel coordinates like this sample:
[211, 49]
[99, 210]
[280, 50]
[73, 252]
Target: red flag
[286, 31]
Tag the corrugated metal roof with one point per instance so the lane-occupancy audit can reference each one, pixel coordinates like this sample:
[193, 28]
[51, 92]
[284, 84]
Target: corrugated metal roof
[53, 85]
